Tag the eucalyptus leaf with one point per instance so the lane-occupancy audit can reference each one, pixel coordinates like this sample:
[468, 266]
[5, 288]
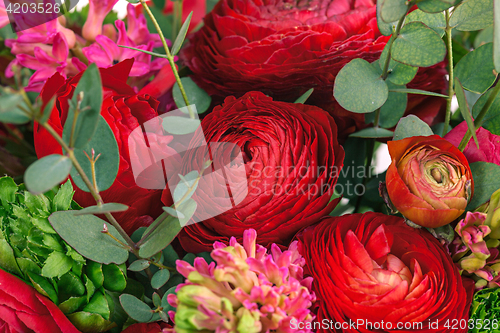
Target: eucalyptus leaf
[180, 125]
[471, 15]
[10, 109]
[373, 132]
[386, 29]
[486, 181]
[393, 10]
[135, 308]
[476, 70]
[198, 98]
[46, 173]
[160, 278]
[84, 234]
[139, 265]
[359, 88]
[111, 207]
[435, 6]
[418, 45]
[161, 238]
[106, 168]
[491, 120]
[496, 35]
[411, 126]
[435, 21]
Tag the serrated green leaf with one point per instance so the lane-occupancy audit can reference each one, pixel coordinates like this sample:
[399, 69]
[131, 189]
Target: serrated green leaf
[62, 199]
[8, 189]
[106, 167]
[70, 285]
[56, 265]
[72, 304]
[98, 304]
[51, 242]
[160, 278]
[182, 35]
[7, 258]
[104, 208]
[135, 308]
[411, 126]
[89, 287]
[198, 98]
[36, 203]
[43, 287]
[464, 108]
[476, 70]
[27, 265]
[87, 121]
[96, 245]
[43, 224]
[471, 15]
[359, 88]
[418, 45]
[46, 173]
[302, 99]
[87, 322]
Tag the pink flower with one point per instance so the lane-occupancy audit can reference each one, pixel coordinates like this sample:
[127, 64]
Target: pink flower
[137, 29]
[4, 18]
[248, 291]
[489, 144]
[98, 9]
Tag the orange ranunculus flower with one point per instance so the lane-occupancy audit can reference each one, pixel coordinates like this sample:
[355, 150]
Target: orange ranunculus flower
[429, 180]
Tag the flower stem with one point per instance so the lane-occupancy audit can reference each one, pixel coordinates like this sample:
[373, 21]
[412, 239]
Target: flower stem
[71, 155]
[451, 91]
[170, 58]
[478, 122]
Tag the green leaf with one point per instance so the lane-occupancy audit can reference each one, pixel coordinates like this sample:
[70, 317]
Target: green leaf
[88, 120]
[84, 234]
[43, 287]
[27, 265]
[7, 258]
[8, 189]
[94, 273]
[106, 167]
[182, 188]
[170, 256]
[135, 308]
[476, 70]
[72, 304]
[36, 203]
[105, 208]
[187, 209]
[435, 21]
[359, 87]
[161, 238]
[435, 6]
[70, 285]
[182, 35]
[464, 108]
[98, 304]
[89, 287]
[56, 265]
[398, 73]
[392, 110]
[486, 181]
[385, 28]
[373, 132]
[46, 173]
[484, 36]
[491, 120]
[160, 278]
[471, 15]
[197, 97]
[411, 126]
[43, 224]
[62, 199]
[496, 35]
[416, 91]
[87, 322]
[164, 300]
[393, 10]
[115, 279]
[139, 265]
[10, 112]
[418, 45]
[171, 211]
[302, 99]
[180, 125]
[47, 110]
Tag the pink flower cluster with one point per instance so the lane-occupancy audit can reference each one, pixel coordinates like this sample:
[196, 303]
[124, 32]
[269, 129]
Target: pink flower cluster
[248, 288]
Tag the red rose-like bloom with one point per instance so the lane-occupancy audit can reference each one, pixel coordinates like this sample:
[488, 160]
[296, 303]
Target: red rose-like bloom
[24, 310]
[373, 268]
[283, 48]
[147, 328]
[124, 111]
[489, 144]
[291, 164]
[429, 180]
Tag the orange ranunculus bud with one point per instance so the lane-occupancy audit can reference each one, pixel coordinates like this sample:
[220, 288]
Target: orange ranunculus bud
[429, 180]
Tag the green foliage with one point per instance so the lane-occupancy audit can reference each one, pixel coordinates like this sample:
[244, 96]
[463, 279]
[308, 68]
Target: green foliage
[31, 249]
[464, 109]
[435, 21]
[302, 99]
[475, 69]
[486, 181]
[485, 311]
[13, 109]
[47, 172]
[359, 87]
[179, 40]
[492, 118]
[472, 15]
[436, 6]
[196, 96]
[392, 10]
[411, 126]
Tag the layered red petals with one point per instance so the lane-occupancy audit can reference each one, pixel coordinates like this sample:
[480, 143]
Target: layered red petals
[291, 163]
[429, 180]
[124, 111]
[374, 268]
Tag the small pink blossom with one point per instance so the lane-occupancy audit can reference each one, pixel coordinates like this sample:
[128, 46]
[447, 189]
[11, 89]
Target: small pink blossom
[98, 9]
[4, 18]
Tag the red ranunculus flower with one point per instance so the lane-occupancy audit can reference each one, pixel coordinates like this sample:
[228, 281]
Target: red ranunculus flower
[124, 111]
[147, 328]
[283, 48]
[429, 180]
[372, 273]
[489, 144]
[24, 310]
[291, 164]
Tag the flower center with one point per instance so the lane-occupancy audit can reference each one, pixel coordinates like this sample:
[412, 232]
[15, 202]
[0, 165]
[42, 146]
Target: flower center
[436, 174]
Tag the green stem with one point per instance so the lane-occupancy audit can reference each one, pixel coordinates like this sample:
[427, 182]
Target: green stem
[451, 91]
[478, 122]
[170, 57]
[369, 159]
[95, 194]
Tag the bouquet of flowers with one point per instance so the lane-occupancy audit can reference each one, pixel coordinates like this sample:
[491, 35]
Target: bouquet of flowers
[218, 166]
